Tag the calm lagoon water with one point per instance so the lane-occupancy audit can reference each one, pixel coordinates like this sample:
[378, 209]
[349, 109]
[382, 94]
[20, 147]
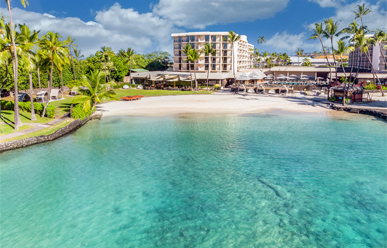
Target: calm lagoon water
[265, 180]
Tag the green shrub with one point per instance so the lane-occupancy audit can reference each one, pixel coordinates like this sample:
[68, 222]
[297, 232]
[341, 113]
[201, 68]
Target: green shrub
[79, 113]
[26, 107]
[332, 99]
[370, 87]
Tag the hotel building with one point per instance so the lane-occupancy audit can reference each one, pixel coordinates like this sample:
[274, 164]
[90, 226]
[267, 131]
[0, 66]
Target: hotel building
[361, 62]
[222, 61]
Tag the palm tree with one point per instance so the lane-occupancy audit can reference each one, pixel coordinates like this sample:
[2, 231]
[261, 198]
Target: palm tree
[318, 32]
[18, 122]
[209, 51]
[105, 53]
[354, 31]
[299, 53]
[71, 45]
[343, 49]
[329, 32]
[265, 54]
[381, 36]
[364, 44]
[233, 38]
[78, 54]
[96, 91]
[261, 39]
[186, 50]
[128, 58]
[28, 57]
[360, 12]
[56, 52]
[194, 56]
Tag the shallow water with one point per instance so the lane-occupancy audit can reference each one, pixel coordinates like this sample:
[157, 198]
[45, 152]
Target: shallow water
[265, 180]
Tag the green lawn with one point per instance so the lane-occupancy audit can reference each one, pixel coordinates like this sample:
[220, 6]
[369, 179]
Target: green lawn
[133, 92]
[46, 131]
[25, 117]
[64, 105]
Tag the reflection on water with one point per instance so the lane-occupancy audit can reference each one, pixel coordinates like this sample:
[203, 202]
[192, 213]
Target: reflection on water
[263, 180]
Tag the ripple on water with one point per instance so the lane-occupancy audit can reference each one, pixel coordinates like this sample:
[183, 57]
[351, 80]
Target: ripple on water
[198, 181]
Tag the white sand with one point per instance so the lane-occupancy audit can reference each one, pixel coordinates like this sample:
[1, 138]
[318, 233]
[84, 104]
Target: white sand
[210, 104]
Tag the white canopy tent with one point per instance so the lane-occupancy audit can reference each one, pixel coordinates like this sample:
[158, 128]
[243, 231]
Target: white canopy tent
[55, 94]
[42, 96]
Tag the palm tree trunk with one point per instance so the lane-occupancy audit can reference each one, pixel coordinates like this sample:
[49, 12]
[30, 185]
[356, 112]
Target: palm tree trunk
[374, 74]
[350, 76]
[61, 81]
[329, 65]
[18, 122]
[130, 73]
[104, 60]
[72, 61]
[208, 71]
[5, 80]
[190, 74]
[49, 89]
[196, 81]
[381, 51]
[345, 75]
[334, 58]
[40, 87]
[33, 117]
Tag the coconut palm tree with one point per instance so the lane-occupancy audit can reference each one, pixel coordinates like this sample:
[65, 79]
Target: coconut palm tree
[96, 91]
[318, 32]
[11, 38]
[232, 39]
[105, 54]
[265, 54]
[381, 36]
[71, 45]
[329, 32]
[353, 32]
[78, 55]
[261, 39]
[56, 52]
[194, 55]
[209, 51]
[364, 44]
[343, 49]
[28, 57]
[360, 12]
[186, 50]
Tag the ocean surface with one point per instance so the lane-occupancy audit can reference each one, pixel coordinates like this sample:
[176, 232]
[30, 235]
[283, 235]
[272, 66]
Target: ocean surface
[264, 180]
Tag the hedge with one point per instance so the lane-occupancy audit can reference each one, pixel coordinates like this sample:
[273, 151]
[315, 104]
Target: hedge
[79, 113]
[26, 106]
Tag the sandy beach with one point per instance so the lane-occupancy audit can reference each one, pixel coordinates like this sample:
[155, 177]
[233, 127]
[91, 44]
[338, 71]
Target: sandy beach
[210, 104]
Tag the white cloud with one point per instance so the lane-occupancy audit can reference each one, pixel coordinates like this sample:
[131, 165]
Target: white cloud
[202, 13]
[343, 15]
[328, 3]
[115, 27]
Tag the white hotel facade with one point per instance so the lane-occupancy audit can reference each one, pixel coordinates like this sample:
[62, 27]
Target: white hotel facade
[223, 62]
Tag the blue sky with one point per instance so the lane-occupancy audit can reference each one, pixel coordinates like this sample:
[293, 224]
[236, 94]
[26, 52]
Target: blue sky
[146, 25]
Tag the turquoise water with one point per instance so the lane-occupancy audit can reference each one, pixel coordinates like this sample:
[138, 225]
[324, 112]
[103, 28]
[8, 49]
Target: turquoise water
[265, 180]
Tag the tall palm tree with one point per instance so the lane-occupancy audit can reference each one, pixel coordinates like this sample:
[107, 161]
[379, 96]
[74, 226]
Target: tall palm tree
[353, 32]
[96, 91]
[130, 53]
[209, 51]
[18, 122]
[318, 32]
[28, 57]
[343, 49]
[381, 36]
[194, 56]
[105, 53]
[71, 45]
[56, 52]
[78, 54]
[261, 39]
[233, 38]
[329, 32]
[187, 50]
[360, 12]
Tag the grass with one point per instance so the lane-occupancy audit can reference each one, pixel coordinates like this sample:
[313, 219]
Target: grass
[8, 129]
[64, 104]
[133, 92]
[46, 131]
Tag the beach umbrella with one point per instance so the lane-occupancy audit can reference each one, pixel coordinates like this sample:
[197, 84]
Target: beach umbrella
[242, 77]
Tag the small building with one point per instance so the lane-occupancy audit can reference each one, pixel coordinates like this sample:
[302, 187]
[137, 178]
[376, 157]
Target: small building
[24, 97]
[42, 96]
[355, 93]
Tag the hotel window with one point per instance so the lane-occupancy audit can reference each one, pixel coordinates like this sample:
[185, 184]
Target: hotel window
[213, 67]
[192, 38]
[224, 45]
[224, 67]
[187, 39]
[224, 60]
[179, 53]
[207, 38]
[214, 38]
[192, 67]
[213, 60]
[187, 67]
[180, 67]
[225, 38]
[206, 67]
[179, 39]
[180, 60]
[224, 53]
[192, 45]
[206, 60]
[214, 45]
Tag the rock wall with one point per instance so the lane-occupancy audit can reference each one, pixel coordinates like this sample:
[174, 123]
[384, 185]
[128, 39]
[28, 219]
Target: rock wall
[381, 113]
[11, 145]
